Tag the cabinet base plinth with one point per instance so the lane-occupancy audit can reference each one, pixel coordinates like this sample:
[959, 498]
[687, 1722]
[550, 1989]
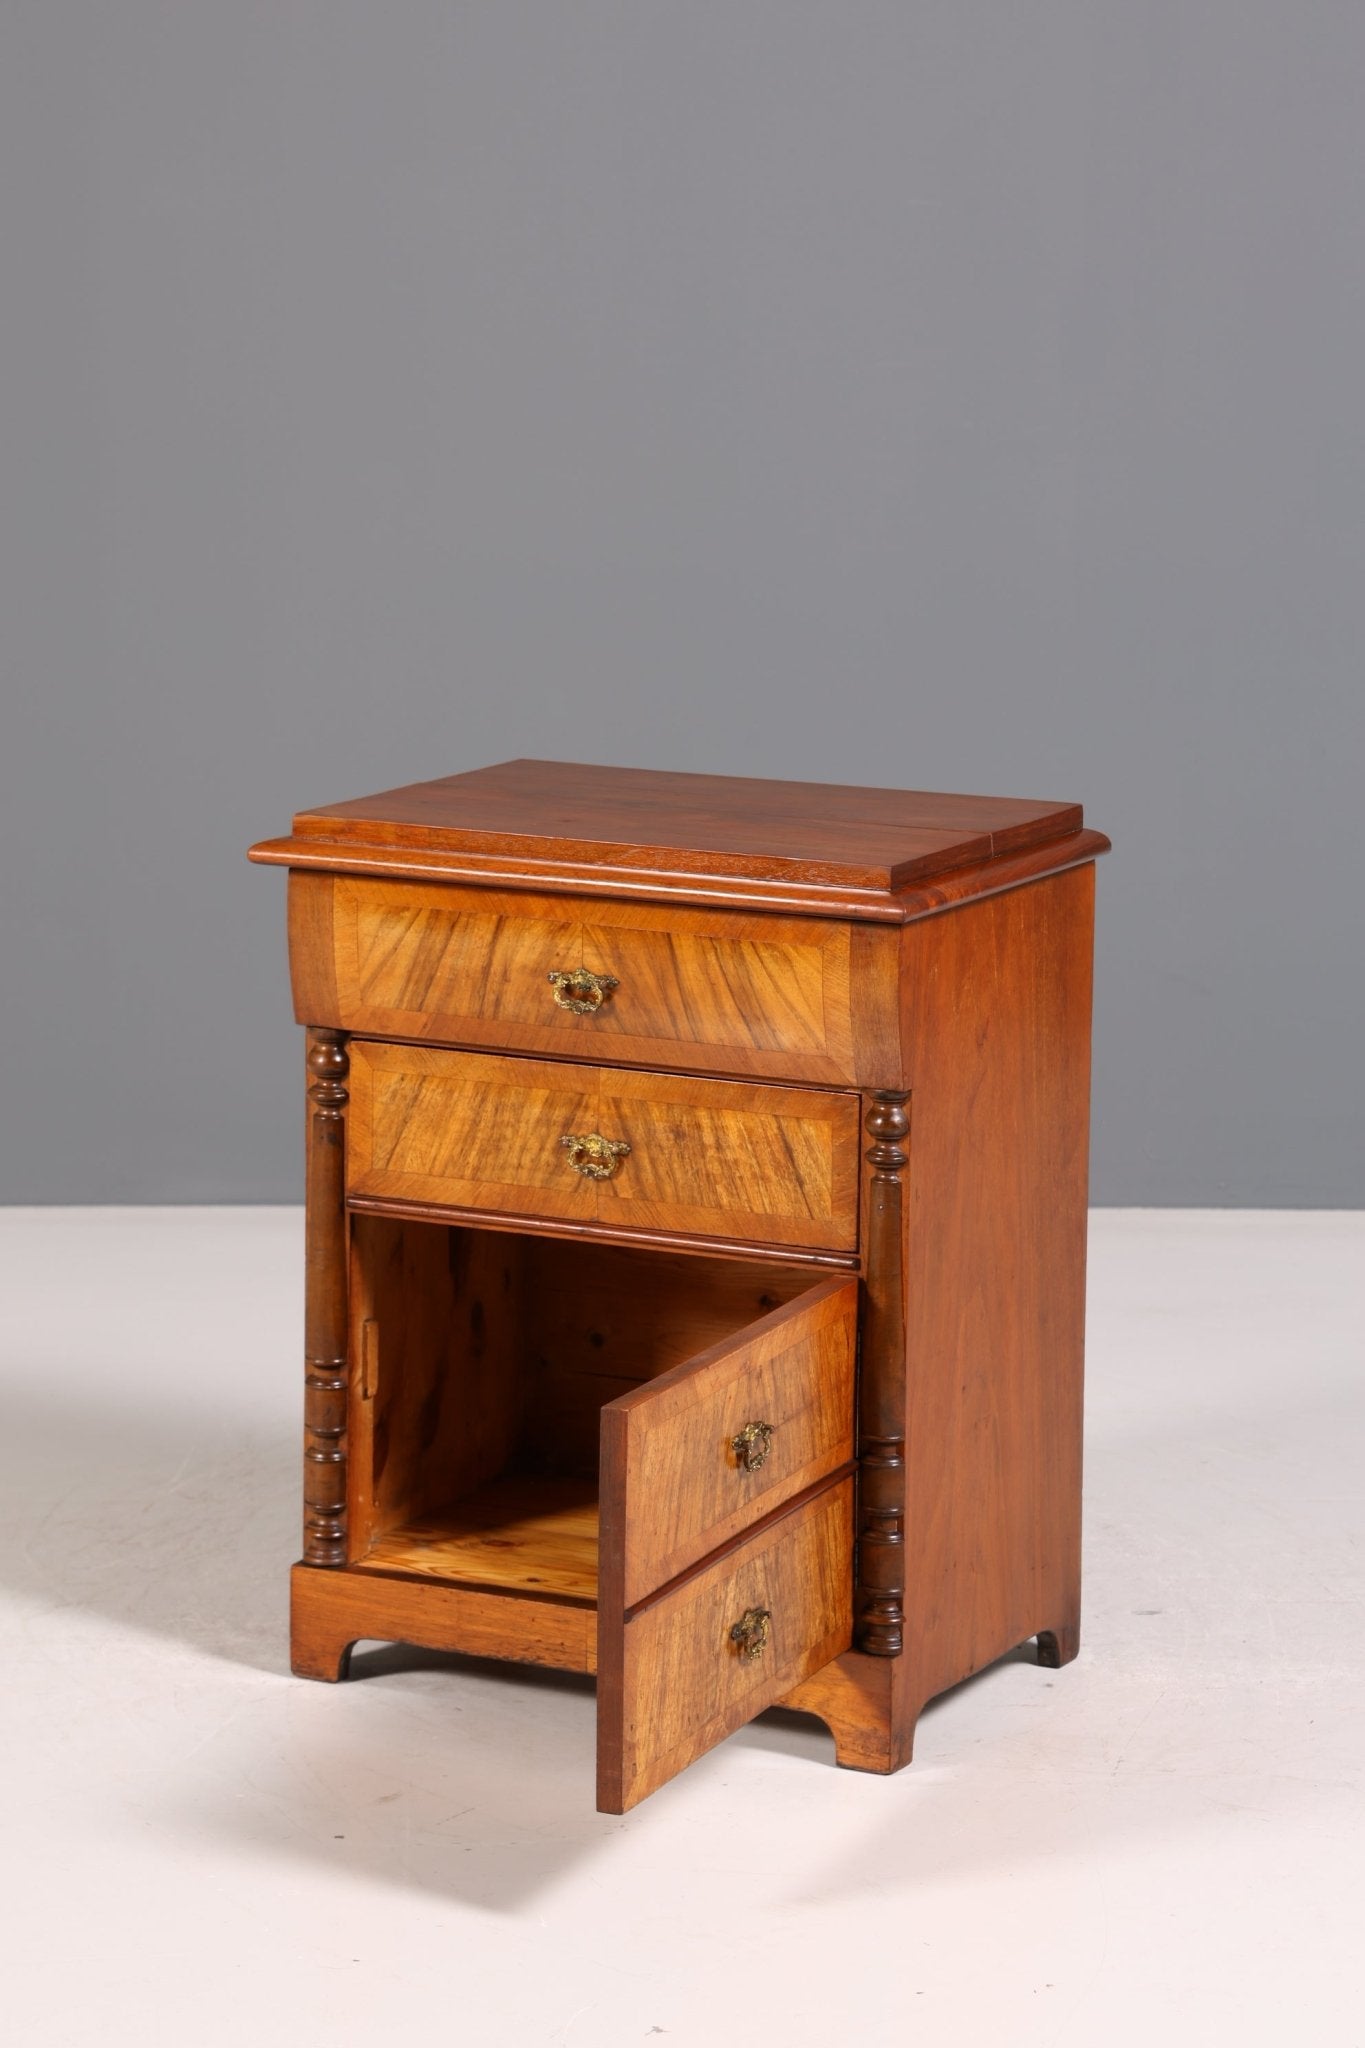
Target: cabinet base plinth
[1057, 1646]
[332, 1610]
[869, 1708]
[855, 1698]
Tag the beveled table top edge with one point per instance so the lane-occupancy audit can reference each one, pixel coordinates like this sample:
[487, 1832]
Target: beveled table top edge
[814, 898]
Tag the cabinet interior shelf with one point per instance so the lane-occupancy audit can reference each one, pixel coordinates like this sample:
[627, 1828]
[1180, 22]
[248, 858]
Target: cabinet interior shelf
[524, 1533]
[487, 1357]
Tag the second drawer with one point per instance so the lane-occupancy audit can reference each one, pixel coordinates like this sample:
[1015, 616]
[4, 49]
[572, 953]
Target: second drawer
[662, 1152]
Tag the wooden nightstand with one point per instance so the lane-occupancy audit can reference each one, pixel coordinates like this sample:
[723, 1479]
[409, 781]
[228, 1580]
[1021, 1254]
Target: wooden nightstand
[696, 1240]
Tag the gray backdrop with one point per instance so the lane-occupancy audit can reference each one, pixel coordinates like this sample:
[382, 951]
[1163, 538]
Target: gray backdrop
[956, 395]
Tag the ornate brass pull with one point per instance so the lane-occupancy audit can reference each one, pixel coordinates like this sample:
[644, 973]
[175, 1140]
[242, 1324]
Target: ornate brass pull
[581, 990]
[595, 1157]
[752, 1445]
[750, 1632]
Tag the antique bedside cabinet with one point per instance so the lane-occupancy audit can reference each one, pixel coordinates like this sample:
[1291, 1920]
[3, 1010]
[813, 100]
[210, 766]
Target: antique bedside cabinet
[696, 1181]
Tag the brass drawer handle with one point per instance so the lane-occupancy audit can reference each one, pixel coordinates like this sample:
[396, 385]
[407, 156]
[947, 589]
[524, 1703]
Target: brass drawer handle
[581, 991]
[595, 1157]
[752, 1445]
[750, 1632]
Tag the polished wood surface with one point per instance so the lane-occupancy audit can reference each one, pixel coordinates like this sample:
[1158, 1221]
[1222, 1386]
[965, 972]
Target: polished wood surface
[880, 1602]
[995, 877]
[331, 1611]
[720, 992]
[997, 1024]
[838, 1029]
[478, 1351]
[712, 823]
[600, 1320]
[712, 1156]
[706, 1157]
[688, 1244]
[469, 1128]
[708, 837]
[672, 1681]
[855, 1696]
[996, 1021]
[324, 1328]
[529, 1534]
[861, 907]
[687, 1490]
[481, 1361]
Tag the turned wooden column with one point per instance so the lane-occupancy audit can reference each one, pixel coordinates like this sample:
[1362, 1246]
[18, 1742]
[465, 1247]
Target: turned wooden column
[324, 1333]
[880, 1613]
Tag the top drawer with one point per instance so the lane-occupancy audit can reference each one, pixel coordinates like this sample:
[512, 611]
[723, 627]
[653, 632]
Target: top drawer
[716, 991]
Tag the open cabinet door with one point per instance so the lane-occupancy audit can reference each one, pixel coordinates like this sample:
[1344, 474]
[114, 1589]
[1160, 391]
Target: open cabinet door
[726, 1562]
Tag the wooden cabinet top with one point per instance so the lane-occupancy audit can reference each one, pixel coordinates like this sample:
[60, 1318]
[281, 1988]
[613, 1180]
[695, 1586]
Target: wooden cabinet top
[825, 848]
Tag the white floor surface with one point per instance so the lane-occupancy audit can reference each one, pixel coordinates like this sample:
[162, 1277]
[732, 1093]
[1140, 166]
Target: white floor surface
[1160, 1844]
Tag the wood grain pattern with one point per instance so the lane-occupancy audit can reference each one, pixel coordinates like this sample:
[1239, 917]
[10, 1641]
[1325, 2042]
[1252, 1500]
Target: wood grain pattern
[707, 1157]
[729, 993]
[414, 957]
[997, 1031]
[714, 1157]
[994, 877]
[436, 1399]
[526, 1534]
[324, 1406]
[579, 877]
[716, 824]
[331, 1611]
[477, 1354]
[811, 846]
[469, 1128]
[689, 1244]
[772, 992]
[874, 1002]
[854, 1695]
[776, 946]
[312, 963]
[671, 1681]
[601, 1319]
[996, 1019]
[686, 1491]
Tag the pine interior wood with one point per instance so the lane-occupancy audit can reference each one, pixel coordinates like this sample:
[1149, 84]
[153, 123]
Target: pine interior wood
[482, 1361]
[706, 1157]
[529, 1534]
[435, 1315]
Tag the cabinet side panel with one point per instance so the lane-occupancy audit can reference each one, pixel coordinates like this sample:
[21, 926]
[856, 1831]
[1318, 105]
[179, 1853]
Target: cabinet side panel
[312, 954]
[874, 971]
[435, 1389]
[996, 1019]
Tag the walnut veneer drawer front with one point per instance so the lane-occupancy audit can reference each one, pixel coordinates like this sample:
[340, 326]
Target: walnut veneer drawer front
[656, 985]
[705, 1451]
[721, 1644]
[664, 1152]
